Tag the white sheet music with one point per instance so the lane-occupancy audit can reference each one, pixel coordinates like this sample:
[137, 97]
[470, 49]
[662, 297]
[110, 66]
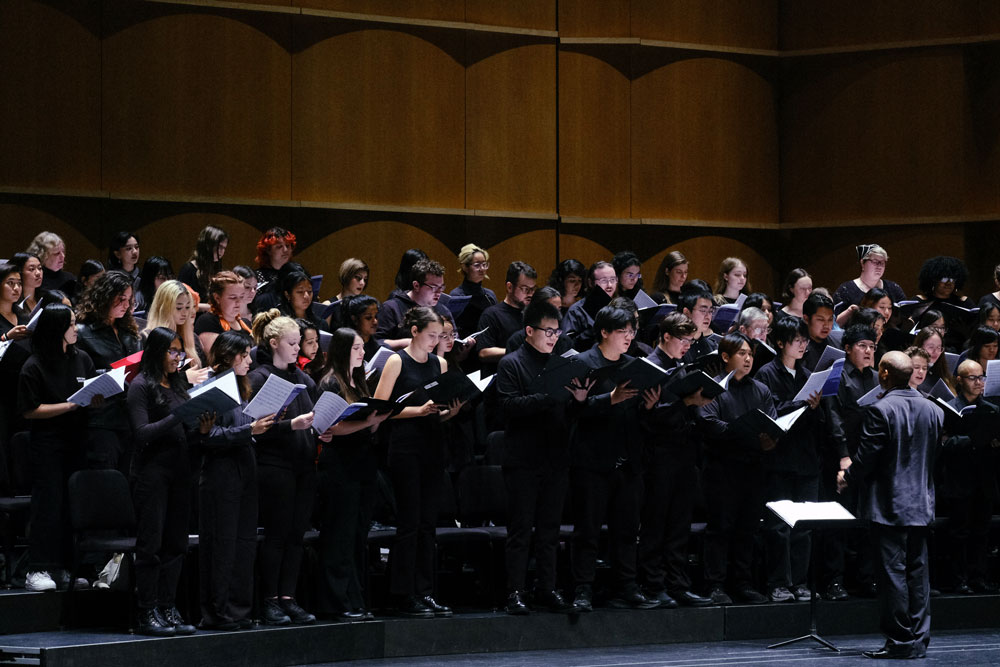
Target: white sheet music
[478, 380]
[106, 384]
[787, 421]
[377, 362]
[465, 341]
[813, 384]
[871, 397]
[273, 397]
[992, 378]
[225, 382]
[792, 512]
[330, 408]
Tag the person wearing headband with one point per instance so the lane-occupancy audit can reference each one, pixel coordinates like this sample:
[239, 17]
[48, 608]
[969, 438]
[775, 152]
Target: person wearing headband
[873, 259]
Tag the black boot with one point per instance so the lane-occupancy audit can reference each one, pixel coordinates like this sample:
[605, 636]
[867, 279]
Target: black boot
[173, 617]
[152, 624]
[298, 615]
[273, 613]
[516, 605]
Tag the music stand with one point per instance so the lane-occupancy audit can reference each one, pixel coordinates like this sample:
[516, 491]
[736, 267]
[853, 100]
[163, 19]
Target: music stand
[823, 516]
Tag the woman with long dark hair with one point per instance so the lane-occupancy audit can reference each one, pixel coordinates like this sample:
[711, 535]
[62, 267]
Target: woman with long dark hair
[311, 357]
[205, 262]
[297, 298]
[155, 271]
[90, 271]
[286, 472]
[347, 470]
[227, 498]
[416, 464]
[162, 492]
[30, 268]
[670, 277]
[50, 376]
[107, 332]
[568, 277]
[361, 314]
[123, 254]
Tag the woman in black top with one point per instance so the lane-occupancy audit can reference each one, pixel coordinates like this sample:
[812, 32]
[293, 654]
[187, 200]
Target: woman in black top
[205, 262]
[361, 314]
[162, 492]
[156, 271]
[12, 322]
[286, 472]
[274, 249]
[474, 262]
[123, 254]
[53, 373]
[30, 268]
[226, 296]
[873, 259]
[107, 332]
[568, 278]
[416, 463]
[227, 498]
[628, 268]
[51, 250]
[297, 299]
[670, 277]
[347, 469]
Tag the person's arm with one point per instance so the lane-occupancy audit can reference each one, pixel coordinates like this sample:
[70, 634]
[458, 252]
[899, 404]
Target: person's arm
[140, 395]
[387, 381]
[513, 400]
[50, 410]
[875, 434]
[388, 332]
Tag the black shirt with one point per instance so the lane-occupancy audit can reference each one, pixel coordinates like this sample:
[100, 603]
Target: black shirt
[416, 433]
[390, 316]
[280, 446]
[842, 411]
[850, 294]
[501, 321]
[482, 298]
[105, 347]
[54, 381]
[209, 322]
[740, 397]
[797, 450]
[189, 276]
[814, 350]
[156, 430]
[671, 426]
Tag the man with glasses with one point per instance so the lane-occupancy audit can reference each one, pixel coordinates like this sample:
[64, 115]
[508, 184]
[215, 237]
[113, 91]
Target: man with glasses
[697, 304]
[502, 320]
[535, 461]
[670, 454]
[602, 285]
[968, 479]
[844, 418]
[427, 280]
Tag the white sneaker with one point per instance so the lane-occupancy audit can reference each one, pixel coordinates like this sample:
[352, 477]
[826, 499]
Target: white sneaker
[39, 581]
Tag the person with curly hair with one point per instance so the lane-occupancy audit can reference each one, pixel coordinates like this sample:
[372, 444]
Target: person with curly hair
[940, 281]
[205, 262]
[51, 250]
[274, 249]
[107, 332]
[568, 277]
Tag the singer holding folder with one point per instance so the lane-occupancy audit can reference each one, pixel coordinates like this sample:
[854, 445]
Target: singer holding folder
[286, 470]
[416, 462]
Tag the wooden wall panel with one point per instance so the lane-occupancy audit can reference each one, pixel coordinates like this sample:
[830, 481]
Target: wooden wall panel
[196, 103]
[173, 236]
[23, 220]
[594, 132]
[511, 131]
[876, 136]
[538, 14]
[586, 18]
[810, 24]
[50, 73]
[705, 253]
[704, 140]
[378, 115]
[744, 23]
[442, 10]
[537, 248]
[583, 248]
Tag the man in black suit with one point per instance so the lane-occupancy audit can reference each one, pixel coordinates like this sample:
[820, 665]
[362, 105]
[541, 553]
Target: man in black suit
[895, 459]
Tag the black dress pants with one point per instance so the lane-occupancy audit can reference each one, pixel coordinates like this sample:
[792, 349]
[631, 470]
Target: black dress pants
[535, 498]
[228, 535]
[51, 541]
[665, 532]
[787, 551]
[734, 494]
[417, 481]
[162, 497]
[970, 528]
[901, 576]
[286, 500]
[614, 494]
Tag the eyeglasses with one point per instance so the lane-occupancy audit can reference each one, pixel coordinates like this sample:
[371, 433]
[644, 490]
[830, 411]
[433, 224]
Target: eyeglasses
[437, 289]
[876, 262]
[974, 378]
[686, 341]
[631, 276]
[760, 330]
[176, 354]
[865, 346]
[705, 310]
[606, 282]
[946, 280]
[550, 332]
[13, 284]
[449, 336]
[528, 290]
[629, 333]
[479, 266]
[799, 340]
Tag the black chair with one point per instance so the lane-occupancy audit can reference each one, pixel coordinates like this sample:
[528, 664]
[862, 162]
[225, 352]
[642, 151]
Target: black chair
[15, 503]
[460, 543]
[494, 448]
[103, 522]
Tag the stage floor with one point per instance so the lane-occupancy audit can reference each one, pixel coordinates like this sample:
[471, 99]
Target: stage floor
[961, 649]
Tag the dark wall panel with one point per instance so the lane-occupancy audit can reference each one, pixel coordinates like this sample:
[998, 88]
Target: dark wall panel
[586, 18]
[741, 23]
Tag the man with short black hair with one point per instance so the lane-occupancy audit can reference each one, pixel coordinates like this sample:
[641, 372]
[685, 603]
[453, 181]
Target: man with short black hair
[427, 284]
[698, 304]
[817, 311]
[503, 319]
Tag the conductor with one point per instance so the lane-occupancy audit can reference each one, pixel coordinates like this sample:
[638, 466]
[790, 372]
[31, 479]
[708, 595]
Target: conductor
[893, 467]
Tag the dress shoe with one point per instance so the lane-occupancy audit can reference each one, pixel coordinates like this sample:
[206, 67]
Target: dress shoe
[415, 608]
[749, 595]
[632, 598]
[801, 593]
[782, 594]
[963, 588]
[274, 614]
[835, 591]
[365, 614]
[349, 616]
[174, 618]
[552, 601]
[297, 614]
[690, 599]
[516, 605]
[440, 610]
[583, 600]
[719, 597]
[662, 599]
[885, 653]
[152, 624]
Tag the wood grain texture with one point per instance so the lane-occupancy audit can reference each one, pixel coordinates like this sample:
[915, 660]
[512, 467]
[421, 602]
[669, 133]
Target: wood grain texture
[745, 23]
[23, 218]
[808, 24]
[50, 73]
[378, 115]
[594, 126]
[704, 139]
[442, 10]
[537, 248]
[540, 14]
[879, 135]
[586, 18]
[511, 124]
[196, 102]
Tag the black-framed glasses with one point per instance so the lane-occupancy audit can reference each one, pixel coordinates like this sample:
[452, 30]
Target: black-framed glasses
[437, 289]
[974, 378]
[550, 332]
[176, 354]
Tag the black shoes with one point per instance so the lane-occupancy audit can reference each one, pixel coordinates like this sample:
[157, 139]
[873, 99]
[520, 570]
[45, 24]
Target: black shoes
[516, 605]
[414, 608]
[296, 614]
[583, 601]
[836, 591]
[154, 625]
[720, 597]
[749, 595]
[886, 653]
[439, 610]
[632, 598]
[173, 618]
[689, 599]
[963, 588]
[273, 613]
[662, 598]
[552, 601]
[350, 616]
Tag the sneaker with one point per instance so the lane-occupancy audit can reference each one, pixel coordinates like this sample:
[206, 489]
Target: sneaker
[719, 597]
[802, 593]
[782, 594]
[39, 581]
[174, 619]
[836, 591]
[273, 613]
[749, 595]
[297, 614]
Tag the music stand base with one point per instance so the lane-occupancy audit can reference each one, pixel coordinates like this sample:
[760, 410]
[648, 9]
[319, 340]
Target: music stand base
[813, 636]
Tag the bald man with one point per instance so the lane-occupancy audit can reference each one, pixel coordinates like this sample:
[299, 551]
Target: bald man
[894, 459]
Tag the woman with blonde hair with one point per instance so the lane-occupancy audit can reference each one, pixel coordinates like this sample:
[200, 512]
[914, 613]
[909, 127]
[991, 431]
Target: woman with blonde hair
[173, 308]
[473, 263]
[51, 250]
[733, 280]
